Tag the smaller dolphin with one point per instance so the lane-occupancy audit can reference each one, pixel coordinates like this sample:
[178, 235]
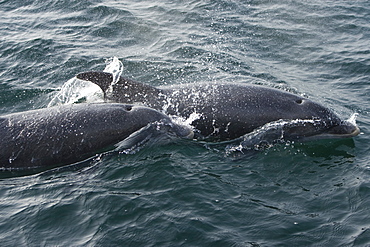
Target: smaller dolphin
[228, 111]
[62, 135]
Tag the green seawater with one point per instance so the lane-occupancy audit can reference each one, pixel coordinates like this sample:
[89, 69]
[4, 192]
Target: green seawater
[184, 192]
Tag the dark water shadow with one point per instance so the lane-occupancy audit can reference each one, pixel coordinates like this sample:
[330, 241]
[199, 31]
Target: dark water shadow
[41, 171]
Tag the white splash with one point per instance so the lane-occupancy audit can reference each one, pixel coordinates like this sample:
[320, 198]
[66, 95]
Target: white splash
[186, 123]
[193, 116]
[115, 67]
[75, 91]
[352, 119]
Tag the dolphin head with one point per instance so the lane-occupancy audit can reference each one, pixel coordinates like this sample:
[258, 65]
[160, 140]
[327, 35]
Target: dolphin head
[325, 125]
[332, 129]
[344, 129]
[311, 120]
[245, 109]
[283, 115]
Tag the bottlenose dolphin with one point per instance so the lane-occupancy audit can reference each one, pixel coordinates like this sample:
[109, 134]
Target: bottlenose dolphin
[228, 111]
[67, 134]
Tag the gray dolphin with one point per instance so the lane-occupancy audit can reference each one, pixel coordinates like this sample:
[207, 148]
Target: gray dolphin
[228, 111]
[67, 134]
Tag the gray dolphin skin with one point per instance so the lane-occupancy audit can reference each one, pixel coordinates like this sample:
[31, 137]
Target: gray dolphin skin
[62, 135]
[228, 111]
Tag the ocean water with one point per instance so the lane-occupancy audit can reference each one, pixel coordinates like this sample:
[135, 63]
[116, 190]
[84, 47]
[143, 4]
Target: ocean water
[183, 192]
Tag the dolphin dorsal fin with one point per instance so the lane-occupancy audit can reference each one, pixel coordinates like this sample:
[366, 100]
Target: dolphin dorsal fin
[124, 91]
[104, 79]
